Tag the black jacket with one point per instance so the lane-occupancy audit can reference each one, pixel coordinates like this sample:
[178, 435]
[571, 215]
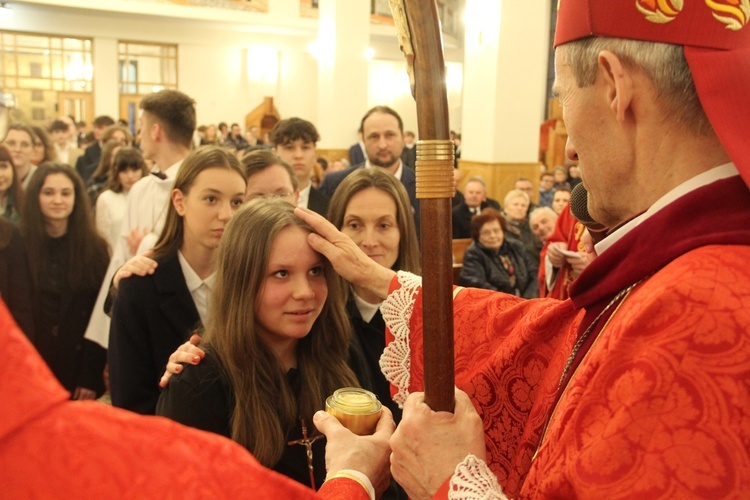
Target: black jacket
[318, 202]
[369, 340]
[61, 315]
[88, 161]
[151, 316]
[461, 216]
[15, 282]
[202, 397]
[482, 268]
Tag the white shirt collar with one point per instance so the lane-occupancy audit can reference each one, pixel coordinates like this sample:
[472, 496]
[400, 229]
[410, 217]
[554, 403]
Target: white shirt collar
[304, 196]
[366, 309]
[398, 172]
[171, 172]
[192, 280]
[717, 173]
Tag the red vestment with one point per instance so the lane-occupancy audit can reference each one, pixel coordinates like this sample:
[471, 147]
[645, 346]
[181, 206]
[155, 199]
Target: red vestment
[567, 230]
[51, 447]
[660, 403]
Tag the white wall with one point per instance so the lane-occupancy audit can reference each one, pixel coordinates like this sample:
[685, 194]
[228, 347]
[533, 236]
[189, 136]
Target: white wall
[213, 58]
[212, 64]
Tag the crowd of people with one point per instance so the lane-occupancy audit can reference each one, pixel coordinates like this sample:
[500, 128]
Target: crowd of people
[261, 292]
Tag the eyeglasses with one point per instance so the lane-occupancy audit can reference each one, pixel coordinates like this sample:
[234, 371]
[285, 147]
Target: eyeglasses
[12, 144]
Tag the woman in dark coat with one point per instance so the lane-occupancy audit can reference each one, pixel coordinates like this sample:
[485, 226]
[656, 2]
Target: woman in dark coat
[15, 284]
[67, 260]
[373, 209]
[495, 262]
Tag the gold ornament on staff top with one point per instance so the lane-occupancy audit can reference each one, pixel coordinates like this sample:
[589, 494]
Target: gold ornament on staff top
[435, 159]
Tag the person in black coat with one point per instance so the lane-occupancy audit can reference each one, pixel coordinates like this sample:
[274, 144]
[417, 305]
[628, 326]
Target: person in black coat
[67, 261]
[474, 201]
[495, 262]
[15, 283]
[153, 314]
[89, 160]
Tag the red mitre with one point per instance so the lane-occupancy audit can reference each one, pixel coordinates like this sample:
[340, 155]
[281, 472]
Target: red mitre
[716, 37]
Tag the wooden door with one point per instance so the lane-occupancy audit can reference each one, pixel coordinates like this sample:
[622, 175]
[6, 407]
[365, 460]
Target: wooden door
[79, 105]
[129, 110]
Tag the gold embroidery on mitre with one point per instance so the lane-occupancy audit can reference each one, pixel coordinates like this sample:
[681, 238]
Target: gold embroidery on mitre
[660, 11]
[733, 13]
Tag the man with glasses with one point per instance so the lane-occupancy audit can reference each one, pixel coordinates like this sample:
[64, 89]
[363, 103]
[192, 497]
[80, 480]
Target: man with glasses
[20, 141]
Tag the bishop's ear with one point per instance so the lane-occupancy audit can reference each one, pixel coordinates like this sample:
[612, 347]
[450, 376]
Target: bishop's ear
[618, 81]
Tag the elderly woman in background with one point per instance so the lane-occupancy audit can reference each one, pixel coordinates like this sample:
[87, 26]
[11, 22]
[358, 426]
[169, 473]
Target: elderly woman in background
[516, 211]
[495, 262]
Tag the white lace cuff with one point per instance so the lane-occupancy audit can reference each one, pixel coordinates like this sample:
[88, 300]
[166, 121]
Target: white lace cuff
[473, 480]
[397, 309]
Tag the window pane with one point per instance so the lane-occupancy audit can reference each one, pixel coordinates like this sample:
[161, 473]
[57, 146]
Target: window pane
[57, 66]
[145, 68]
[36, 42]
[34, 83]
[73, 44]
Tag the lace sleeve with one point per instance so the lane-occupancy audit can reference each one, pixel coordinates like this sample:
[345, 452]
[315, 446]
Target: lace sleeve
[397, 309]
[473, 480]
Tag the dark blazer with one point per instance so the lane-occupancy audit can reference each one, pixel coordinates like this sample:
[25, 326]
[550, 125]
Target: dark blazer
[87, 163]
[408, 179]
[458, 198]
[318, 202]
[151, 316]
[60, 320]
[369, 340]
[521, 231]
[482, 269]
[356, 154]
[409, 157]
[15, 282]
[462, 217]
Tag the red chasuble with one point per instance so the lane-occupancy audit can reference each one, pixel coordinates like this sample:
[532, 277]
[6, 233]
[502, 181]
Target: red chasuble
[51, 447]
[567, 230]
[658, 405]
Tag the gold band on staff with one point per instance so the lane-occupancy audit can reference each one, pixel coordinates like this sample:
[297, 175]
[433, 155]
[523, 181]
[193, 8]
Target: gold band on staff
[434, 166]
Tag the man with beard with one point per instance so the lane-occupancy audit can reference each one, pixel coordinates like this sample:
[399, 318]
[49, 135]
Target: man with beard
[383, 136]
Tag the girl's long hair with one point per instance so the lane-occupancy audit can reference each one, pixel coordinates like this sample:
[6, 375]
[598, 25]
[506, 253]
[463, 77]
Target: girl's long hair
[265, 406]
[15, 193]
[50, 153]
[197, 161]
[126, 158]
[363, 178]
[88, 252]
[105, 160]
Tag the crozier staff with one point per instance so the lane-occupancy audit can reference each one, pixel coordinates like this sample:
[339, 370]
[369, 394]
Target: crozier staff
[636, 384]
